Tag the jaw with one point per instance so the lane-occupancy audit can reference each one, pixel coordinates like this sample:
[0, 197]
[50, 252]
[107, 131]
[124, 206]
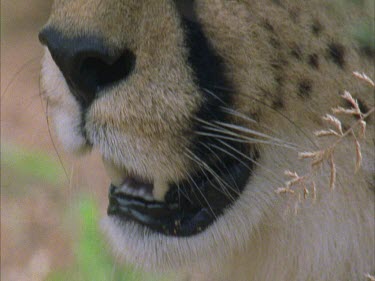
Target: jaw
[181, 208]
[143, 224]
[160, 160]
[136, 244]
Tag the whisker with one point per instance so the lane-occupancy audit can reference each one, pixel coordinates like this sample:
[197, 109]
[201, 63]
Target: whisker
[54, 144]
[230, 154]
[238, 114]
[250, 131]
[224, 189]
[220, 160]
[277, 111]
[250, 159]
[214, 95]
[242, 140]
[231, 133]
[248, 119]
[15, 76]
[204, 197]
[189, 179]
[217, 126]
[222, 183]
[179, 194]
[180, 191]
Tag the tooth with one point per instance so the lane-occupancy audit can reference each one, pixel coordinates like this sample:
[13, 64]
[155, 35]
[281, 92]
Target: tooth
[148, 197]
[160, 189]
[124, 188]
[116, 174]
[141, 193]
[127, 190]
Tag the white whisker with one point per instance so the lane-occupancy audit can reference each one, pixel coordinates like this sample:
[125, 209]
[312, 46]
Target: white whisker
[253, 132]
[222, 183]
[238, 114]
[204, 197]
[220, 160]
[243, 139]
[218, 127]
[214, 95]
[251, 160]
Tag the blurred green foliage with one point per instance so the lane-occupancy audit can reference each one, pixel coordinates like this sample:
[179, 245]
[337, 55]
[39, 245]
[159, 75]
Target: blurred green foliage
[34, 164]
[92, 261]
[363, 30]
[364, 33]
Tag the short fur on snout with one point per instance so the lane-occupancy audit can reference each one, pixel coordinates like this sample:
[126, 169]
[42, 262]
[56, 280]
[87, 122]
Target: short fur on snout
[288, 63]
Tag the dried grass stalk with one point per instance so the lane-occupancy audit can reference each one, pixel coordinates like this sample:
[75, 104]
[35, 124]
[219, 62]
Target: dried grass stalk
[364, 77]
[362, 131]
[332, 182]
[334, 121]
[358, 161]
[314, 191]
[282, 190]
[326, 133]
[370, 277]
[305, 185]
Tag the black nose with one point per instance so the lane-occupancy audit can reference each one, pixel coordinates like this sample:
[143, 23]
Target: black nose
[87, 63]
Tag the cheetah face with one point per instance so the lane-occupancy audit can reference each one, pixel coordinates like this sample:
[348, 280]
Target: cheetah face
[147, 88]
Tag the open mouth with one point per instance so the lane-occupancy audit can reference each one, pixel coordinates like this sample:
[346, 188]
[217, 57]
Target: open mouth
[189, 206]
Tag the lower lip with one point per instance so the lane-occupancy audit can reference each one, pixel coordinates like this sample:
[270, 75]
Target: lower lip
[165, 218]
[178, 215]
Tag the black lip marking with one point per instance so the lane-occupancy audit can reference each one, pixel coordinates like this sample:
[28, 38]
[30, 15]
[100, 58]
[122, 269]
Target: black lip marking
[194, 204]
[188, 209]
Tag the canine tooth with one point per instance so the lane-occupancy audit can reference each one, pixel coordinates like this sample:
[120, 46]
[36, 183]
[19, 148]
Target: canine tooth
[116, 174]
[141, 193]
[148, 197]
[160, 189]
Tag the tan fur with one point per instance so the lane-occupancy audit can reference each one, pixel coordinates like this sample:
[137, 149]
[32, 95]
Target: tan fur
[270, 51]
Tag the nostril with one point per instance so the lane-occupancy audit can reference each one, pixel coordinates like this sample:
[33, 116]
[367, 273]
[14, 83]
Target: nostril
[96, 72]
[87, 62]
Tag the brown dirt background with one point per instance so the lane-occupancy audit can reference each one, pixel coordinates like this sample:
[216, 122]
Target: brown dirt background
[36, 232]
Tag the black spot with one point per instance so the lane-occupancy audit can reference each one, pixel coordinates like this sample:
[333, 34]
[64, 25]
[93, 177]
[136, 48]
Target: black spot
[277, 2]
[316, 28]
[267, 25]
[337, 53]
[278, 103]
[277, 97]
[368, 51]
[314, 61]
[278, 64]
[294, 14]
[297, 52]
[280, 80]
[305, 88]
[275, 43]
